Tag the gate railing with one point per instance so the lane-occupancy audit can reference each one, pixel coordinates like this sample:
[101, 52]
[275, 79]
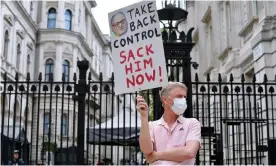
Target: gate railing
[82, 121]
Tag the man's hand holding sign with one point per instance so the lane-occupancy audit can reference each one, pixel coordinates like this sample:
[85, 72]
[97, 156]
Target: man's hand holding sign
[137, 48]
[139, 64]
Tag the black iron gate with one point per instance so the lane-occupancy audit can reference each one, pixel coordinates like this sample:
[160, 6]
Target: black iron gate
[44, 119]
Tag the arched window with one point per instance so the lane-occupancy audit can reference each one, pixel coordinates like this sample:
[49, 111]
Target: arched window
[66, 70]
[68, 19]
[28, 63]
[46, 121]
[6, 45]
[49, 67]
[18, 57]
[52, 14]
[64, 125]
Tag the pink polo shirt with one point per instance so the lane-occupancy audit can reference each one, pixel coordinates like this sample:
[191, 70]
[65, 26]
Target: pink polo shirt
[183, 130]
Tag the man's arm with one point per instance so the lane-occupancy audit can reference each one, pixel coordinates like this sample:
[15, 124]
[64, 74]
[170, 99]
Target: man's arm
[145, 138]
[180, 154]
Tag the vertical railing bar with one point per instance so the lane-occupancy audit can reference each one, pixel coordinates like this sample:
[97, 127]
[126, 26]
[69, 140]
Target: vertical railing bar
[56, 109]
[233, 127]
[62, 113]
[50, 118]
[227, 129]
[209, 114]
[136, 128]
[74, 116]
[100, 133]
[197, 112]
[106, 98]
[43, 123]
[14, 110]
[250, 128]
[88, 121]
[118, 147]
[272, 108]
[130, 97]
[220, 111]
[27, 110]
[261, 125]
[124, 127]
[239, 127]
[68, 124]
[8, 126]
[38, 109]
[94, 121]
[112, 111]
[20, 117]
[267, 107]
[3, 113]
[255, 117]
[32, 126]
[244, 125]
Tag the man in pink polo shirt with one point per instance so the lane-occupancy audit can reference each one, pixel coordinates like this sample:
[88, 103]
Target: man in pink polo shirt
[173, 139]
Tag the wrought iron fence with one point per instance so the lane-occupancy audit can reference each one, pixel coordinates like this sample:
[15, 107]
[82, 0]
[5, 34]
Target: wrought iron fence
[42, 119]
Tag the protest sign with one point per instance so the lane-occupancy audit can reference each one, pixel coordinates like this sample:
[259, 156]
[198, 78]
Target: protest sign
[137, 48]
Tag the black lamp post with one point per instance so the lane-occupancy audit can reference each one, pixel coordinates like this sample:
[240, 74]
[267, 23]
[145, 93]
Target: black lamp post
[177, 47]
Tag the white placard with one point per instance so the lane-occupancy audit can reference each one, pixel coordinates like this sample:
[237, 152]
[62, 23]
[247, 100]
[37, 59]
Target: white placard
[137, 48]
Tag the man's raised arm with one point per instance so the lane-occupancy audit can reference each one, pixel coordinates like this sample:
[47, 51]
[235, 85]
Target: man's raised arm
[145, 142]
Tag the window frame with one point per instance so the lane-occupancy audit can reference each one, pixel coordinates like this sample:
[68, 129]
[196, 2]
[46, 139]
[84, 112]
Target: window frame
[68, 14]
[66, 75]
[51, 11]
[47, 75]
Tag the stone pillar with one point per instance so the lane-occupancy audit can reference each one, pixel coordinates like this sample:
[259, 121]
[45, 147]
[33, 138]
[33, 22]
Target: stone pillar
[76, 16]
[43, 15]
[60, 15]
[263, 60]
[58, 62]
[75, 56]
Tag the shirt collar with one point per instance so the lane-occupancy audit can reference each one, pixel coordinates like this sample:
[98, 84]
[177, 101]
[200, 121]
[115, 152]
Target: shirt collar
[161, 121]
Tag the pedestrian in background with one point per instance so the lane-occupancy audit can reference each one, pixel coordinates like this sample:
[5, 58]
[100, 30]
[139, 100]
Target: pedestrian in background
[16, 160]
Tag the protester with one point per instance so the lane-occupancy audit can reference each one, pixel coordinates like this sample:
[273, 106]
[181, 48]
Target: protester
[173, 139]
[16, 160]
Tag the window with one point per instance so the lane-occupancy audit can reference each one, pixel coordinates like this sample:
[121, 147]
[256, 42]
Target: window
[52, 18]
[18, 57]
[28, 64]
[68, 19]
[66, 70]
[46, 123]
[6, 45]
[49, 69]
[64, 125]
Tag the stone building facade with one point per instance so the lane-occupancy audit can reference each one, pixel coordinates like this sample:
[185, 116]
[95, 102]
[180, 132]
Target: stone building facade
[233, 37]
[48, 38]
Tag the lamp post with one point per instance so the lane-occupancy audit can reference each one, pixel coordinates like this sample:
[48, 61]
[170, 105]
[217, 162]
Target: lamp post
[177, 48]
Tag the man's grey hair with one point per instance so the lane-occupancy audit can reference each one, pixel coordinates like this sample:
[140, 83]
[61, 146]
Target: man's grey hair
[172, 85]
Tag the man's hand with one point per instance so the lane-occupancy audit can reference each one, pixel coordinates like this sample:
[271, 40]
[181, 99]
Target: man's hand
[154, 156]
[142, 107]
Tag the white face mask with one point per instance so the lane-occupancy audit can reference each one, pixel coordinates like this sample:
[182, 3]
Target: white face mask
[179, 106]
